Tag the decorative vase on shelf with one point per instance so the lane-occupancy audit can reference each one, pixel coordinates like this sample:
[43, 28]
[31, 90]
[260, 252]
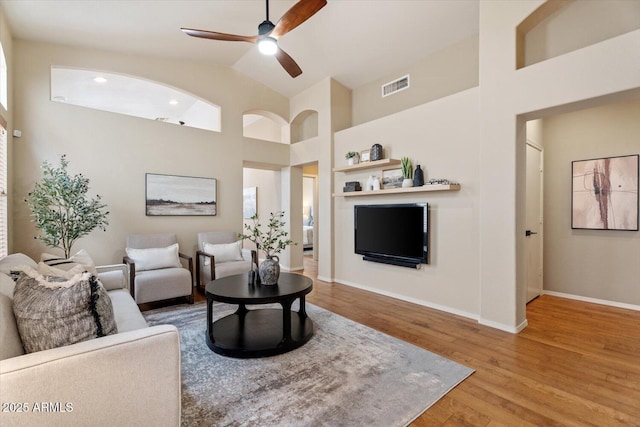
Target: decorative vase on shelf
[407, 182]
[370, 183]
[418, 177]
[375, 183]
[269, 270]
[376, 152]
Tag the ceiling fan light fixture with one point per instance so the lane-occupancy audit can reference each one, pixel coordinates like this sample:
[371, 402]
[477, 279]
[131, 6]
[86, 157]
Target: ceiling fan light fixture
[267, 46]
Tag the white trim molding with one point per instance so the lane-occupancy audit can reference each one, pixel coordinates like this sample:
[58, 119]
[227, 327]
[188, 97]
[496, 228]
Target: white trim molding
[593, 300]
[411, 300]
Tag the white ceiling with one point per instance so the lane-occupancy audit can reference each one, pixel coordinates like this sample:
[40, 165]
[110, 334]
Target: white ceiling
[353, 41]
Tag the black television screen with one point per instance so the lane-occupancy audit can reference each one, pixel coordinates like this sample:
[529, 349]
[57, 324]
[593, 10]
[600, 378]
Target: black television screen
[392, 234]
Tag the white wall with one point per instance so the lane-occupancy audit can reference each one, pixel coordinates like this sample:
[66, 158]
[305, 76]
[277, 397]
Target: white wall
[441, 136]
[115, 151]
[601, 264]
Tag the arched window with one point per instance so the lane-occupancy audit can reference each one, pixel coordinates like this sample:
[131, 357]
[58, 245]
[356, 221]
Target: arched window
[133, 96]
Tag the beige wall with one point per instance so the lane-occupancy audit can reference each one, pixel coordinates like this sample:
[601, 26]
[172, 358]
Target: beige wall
[115, 151]
[268, 192]
[451, 70]
[432, 136]
[589, 263]
[580, 24]
[332, 101]
[490, 207]
[606, 70]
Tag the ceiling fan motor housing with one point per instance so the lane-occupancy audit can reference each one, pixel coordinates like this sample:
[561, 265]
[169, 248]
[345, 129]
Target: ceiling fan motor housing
[265, 27]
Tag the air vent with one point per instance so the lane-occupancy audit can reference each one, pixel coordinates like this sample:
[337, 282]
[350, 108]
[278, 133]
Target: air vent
[395, 86]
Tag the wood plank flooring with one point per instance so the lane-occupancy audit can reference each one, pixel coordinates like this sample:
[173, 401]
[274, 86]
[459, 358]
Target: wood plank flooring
[576, 364]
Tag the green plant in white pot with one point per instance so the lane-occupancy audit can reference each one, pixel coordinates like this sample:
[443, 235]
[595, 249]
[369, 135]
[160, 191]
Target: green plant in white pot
[61, 209]
[352, 157]
[407, 172]
[272, 241]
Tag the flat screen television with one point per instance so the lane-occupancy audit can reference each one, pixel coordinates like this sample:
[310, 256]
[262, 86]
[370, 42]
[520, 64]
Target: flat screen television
[392, 234]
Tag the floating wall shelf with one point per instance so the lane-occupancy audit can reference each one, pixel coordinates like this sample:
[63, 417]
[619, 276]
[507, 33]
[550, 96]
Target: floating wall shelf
[367, 165]
[424, 188]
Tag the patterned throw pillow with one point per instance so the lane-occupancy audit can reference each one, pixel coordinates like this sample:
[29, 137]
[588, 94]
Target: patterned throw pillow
[53, 312]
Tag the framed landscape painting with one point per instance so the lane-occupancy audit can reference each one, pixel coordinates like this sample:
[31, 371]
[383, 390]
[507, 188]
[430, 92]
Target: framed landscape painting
[168, 195]
[392, 178]
[604, 193]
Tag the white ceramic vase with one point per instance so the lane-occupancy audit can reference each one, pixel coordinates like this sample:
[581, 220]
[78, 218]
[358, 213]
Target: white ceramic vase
[376, 183]
[407, 182]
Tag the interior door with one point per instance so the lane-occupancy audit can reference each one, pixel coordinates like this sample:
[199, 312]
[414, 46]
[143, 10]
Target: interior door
[534, 221]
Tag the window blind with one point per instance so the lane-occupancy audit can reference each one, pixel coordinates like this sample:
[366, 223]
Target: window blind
[4, 244]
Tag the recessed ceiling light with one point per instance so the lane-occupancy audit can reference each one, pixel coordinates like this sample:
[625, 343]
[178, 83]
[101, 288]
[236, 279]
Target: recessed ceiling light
[60, 98]
[173, 102]
[99, 79]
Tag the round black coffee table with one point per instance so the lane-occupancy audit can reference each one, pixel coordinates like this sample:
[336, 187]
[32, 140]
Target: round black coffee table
[263, 331]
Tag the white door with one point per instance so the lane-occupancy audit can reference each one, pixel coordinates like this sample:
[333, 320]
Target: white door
[534, 221]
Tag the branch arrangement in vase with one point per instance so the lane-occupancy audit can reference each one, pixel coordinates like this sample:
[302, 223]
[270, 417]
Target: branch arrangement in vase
[273, 240]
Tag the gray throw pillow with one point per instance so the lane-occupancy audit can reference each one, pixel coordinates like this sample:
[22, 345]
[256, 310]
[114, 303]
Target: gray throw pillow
[53, 312]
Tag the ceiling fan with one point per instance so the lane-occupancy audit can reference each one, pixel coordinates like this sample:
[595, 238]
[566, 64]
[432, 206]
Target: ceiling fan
[268, 33]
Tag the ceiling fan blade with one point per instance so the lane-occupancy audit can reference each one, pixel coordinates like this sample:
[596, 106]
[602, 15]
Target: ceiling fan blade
[295, 16]
[288, 63]
[203, 34]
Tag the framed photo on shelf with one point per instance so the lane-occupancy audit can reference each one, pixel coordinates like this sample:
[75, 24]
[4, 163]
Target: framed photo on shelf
[365, 155]
[604, 193]
[392, 178]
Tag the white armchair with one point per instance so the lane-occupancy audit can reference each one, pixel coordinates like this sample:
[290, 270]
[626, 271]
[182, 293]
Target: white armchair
[155, 268]
[220, 254]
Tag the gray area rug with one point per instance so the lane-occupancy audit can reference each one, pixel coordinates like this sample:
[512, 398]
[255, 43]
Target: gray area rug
[347, 375]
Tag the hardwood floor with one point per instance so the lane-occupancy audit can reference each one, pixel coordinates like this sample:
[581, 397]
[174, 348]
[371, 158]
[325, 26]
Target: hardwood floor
[576, 364]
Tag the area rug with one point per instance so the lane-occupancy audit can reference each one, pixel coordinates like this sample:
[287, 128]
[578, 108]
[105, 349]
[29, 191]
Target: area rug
[346, 375]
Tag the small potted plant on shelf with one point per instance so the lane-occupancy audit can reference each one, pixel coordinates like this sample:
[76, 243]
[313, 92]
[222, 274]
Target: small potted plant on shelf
[272, 241]
[352, 157]
[407, 172]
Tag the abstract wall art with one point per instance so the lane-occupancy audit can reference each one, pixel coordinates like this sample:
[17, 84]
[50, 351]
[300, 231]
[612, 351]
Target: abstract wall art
[604, 193]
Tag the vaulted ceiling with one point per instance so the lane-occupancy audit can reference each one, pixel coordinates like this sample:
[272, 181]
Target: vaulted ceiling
[353, 41]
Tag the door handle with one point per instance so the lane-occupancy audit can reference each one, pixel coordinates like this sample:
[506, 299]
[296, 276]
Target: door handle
[529, 233]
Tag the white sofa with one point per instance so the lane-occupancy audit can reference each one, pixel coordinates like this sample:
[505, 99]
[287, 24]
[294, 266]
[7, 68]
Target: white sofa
[130, 378]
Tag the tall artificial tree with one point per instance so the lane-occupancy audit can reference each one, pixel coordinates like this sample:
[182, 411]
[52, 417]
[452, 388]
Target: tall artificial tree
[61, 209]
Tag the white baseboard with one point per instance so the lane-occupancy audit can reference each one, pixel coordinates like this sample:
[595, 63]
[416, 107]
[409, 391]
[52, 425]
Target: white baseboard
[325, 279]
[593, 300]
[410, 299]
[503, 327]
[283, 268]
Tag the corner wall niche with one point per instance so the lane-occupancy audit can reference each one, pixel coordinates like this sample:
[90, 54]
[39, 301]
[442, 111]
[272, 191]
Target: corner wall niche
[304, 126]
